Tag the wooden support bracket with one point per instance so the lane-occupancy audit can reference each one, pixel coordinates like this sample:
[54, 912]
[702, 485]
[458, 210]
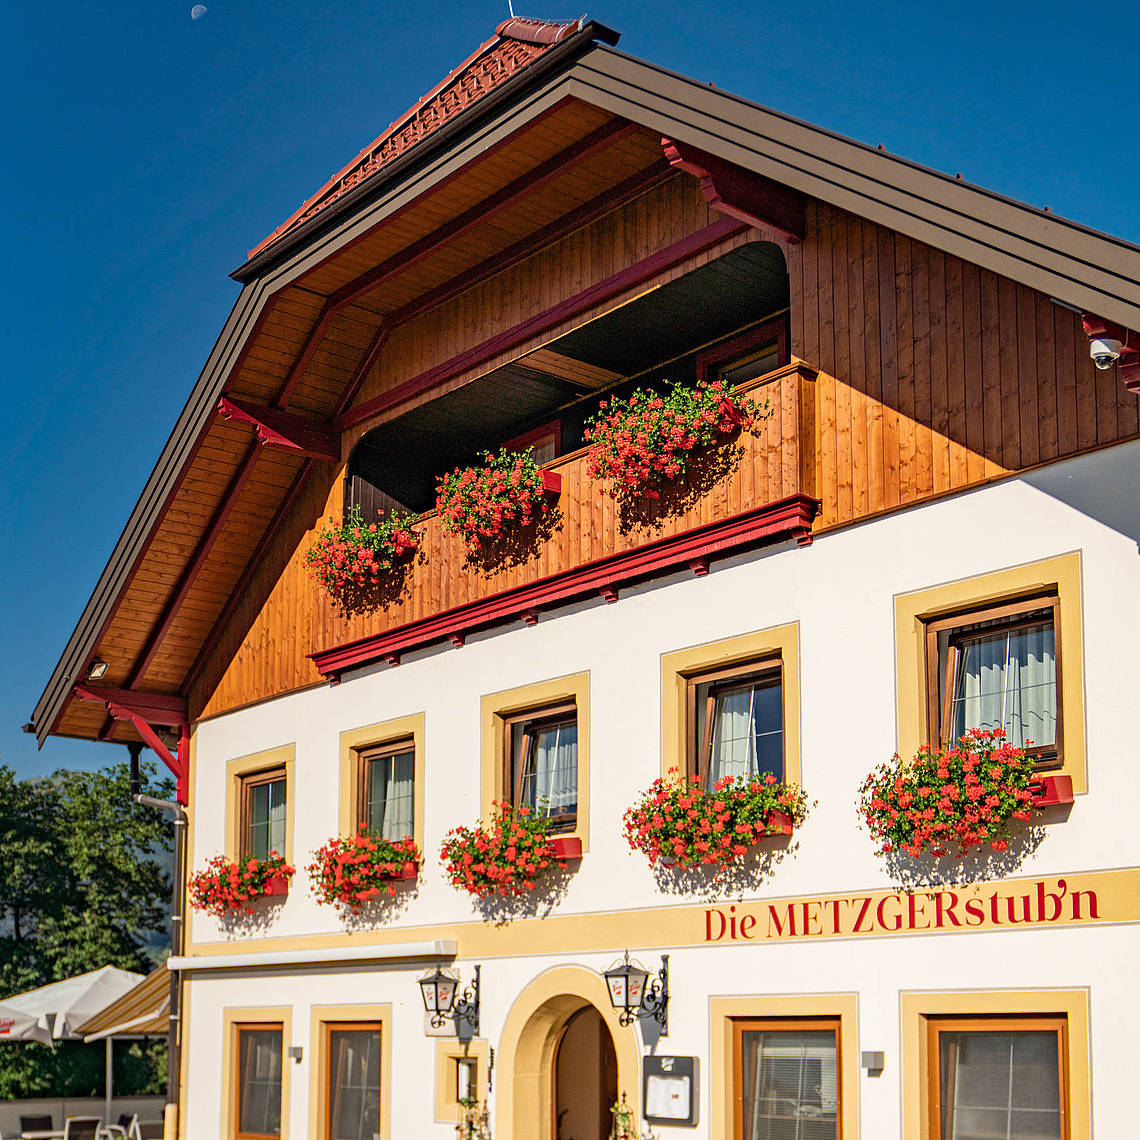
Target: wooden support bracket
[740, 193]
[283, 430]
[144, 711]
[530, 616]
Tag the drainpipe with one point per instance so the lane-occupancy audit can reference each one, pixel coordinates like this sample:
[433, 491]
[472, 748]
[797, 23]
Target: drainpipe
[174, 1019]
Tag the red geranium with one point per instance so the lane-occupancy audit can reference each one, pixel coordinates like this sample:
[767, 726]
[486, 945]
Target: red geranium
[223, 885]
[479, 502]
[350, 555]
[646, 440]
[678, 821]
[963, 795]
[505, 856]
[354, 870]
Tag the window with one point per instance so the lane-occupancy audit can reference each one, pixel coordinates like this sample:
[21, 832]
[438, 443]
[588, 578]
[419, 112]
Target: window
[786, 1079]
[353, 1053]
[735, 722]
[546, 441]
[998, 668]
[263, 814]
[536, 746]
[259, 1049]
[541, 765]
[997, 1078]
[386, 785]
[746, 357]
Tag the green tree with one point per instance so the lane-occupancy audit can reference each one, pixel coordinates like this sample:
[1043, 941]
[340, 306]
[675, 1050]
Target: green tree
[83, 884]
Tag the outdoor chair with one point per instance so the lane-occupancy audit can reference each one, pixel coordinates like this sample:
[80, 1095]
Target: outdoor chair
[82, 1128]
[37, 1123]
[126, 1129]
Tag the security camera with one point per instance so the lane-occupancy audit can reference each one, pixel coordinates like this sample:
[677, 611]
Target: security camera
[1105, 352]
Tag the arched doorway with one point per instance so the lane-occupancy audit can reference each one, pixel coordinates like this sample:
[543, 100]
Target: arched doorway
[585, 1078]
[550, 1022]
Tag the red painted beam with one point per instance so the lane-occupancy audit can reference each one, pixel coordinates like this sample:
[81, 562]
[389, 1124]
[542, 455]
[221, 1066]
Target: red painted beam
[596, 294]
[158, 708]
[789, 518]
[280, 429]
[740, 193]
[144, 710]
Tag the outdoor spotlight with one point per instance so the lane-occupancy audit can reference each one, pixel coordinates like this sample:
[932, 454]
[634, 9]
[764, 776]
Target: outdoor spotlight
[96, 670]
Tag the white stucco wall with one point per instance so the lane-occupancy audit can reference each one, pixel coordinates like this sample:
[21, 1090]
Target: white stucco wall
[841, 591]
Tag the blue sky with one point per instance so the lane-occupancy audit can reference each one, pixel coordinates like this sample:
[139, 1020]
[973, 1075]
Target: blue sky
[145, 152]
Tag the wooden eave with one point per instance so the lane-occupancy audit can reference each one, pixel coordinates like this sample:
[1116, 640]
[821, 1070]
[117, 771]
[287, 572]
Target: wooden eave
[213, 496]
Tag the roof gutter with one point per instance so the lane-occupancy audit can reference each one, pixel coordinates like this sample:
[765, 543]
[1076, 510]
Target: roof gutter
[328, 218]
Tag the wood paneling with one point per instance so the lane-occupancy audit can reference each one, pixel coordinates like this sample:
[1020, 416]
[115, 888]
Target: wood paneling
[772, 465]
[935, 375]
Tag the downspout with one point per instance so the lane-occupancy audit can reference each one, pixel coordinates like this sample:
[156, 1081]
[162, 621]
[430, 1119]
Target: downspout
[177, 947]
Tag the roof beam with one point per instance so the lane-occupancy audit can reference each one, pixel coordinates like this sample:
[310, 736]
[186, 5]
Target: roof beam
[144, 711]
[283, 430]
[740, 193]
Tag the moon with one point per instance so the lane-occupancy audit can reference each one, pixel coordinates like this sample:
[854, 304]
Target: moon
[198, 11]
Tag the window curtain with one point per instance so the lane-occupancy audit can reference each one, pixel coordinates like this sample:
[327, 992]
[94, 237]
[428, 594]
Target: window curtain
[791, 1086]
[267, 819]
[391, 795]
[553, 775]
[1008, 680]
[1000, 1086]
[260, 1082]
[354, 1099]
[747, 735]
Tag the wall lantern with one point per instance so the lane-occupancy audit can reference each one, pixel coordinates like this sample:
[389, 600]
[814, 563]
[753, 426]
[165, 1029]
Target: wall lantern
[443, 999]
[634, 996]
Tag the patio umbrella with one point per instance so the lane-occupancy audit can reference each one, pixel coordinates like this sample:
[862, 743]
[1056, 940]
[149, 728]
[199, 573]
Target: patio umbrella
[61, 1007]
[15, 1025]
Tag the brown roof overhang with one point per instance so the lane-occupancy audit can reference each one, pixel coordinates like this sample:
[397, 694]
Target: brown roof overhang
[1072, 263]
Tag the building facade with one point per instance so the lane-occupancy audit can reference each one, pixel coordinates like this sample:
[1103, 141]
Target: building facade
[932, 528]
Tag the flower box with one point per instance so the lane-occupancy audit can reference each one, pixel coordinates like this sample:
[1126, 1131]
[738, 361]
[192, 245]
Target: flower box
[276, 885]
[1049, 791]
[678, 823]
[566, 847]
[780, 823]
[508, 854]
[963, 795]
[641, 443]
[506, 491]
[350, 556]
[223, 886]
[354, 871]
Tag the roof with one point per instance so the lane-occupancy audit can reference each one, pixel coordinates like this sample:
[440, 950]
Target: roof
[517, 43]
[141, 1010]
[283, 328]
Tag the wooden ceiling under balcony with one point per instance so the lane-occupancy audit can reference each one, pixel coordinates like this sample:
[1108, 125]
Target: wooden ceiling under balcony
[307, 354]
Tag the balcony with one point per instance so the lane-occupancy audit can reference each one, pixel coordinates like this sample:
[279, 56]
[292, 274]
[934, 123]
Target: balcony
[759, 489]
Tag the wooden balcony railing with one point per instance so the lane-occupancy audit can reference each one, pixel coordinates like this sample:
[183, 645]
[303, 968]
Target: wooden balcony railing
[754, 490]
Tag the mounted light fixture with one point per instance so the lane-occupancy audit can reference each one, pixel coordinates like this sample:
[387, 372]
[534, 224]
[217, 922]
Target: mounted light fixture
[634, 996]
[443, 999]
[97, 670]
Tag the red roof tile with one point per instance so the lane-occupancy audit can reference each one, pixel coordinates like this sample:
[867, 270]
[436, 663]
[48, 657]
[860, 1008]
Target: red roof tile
[517, 43]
